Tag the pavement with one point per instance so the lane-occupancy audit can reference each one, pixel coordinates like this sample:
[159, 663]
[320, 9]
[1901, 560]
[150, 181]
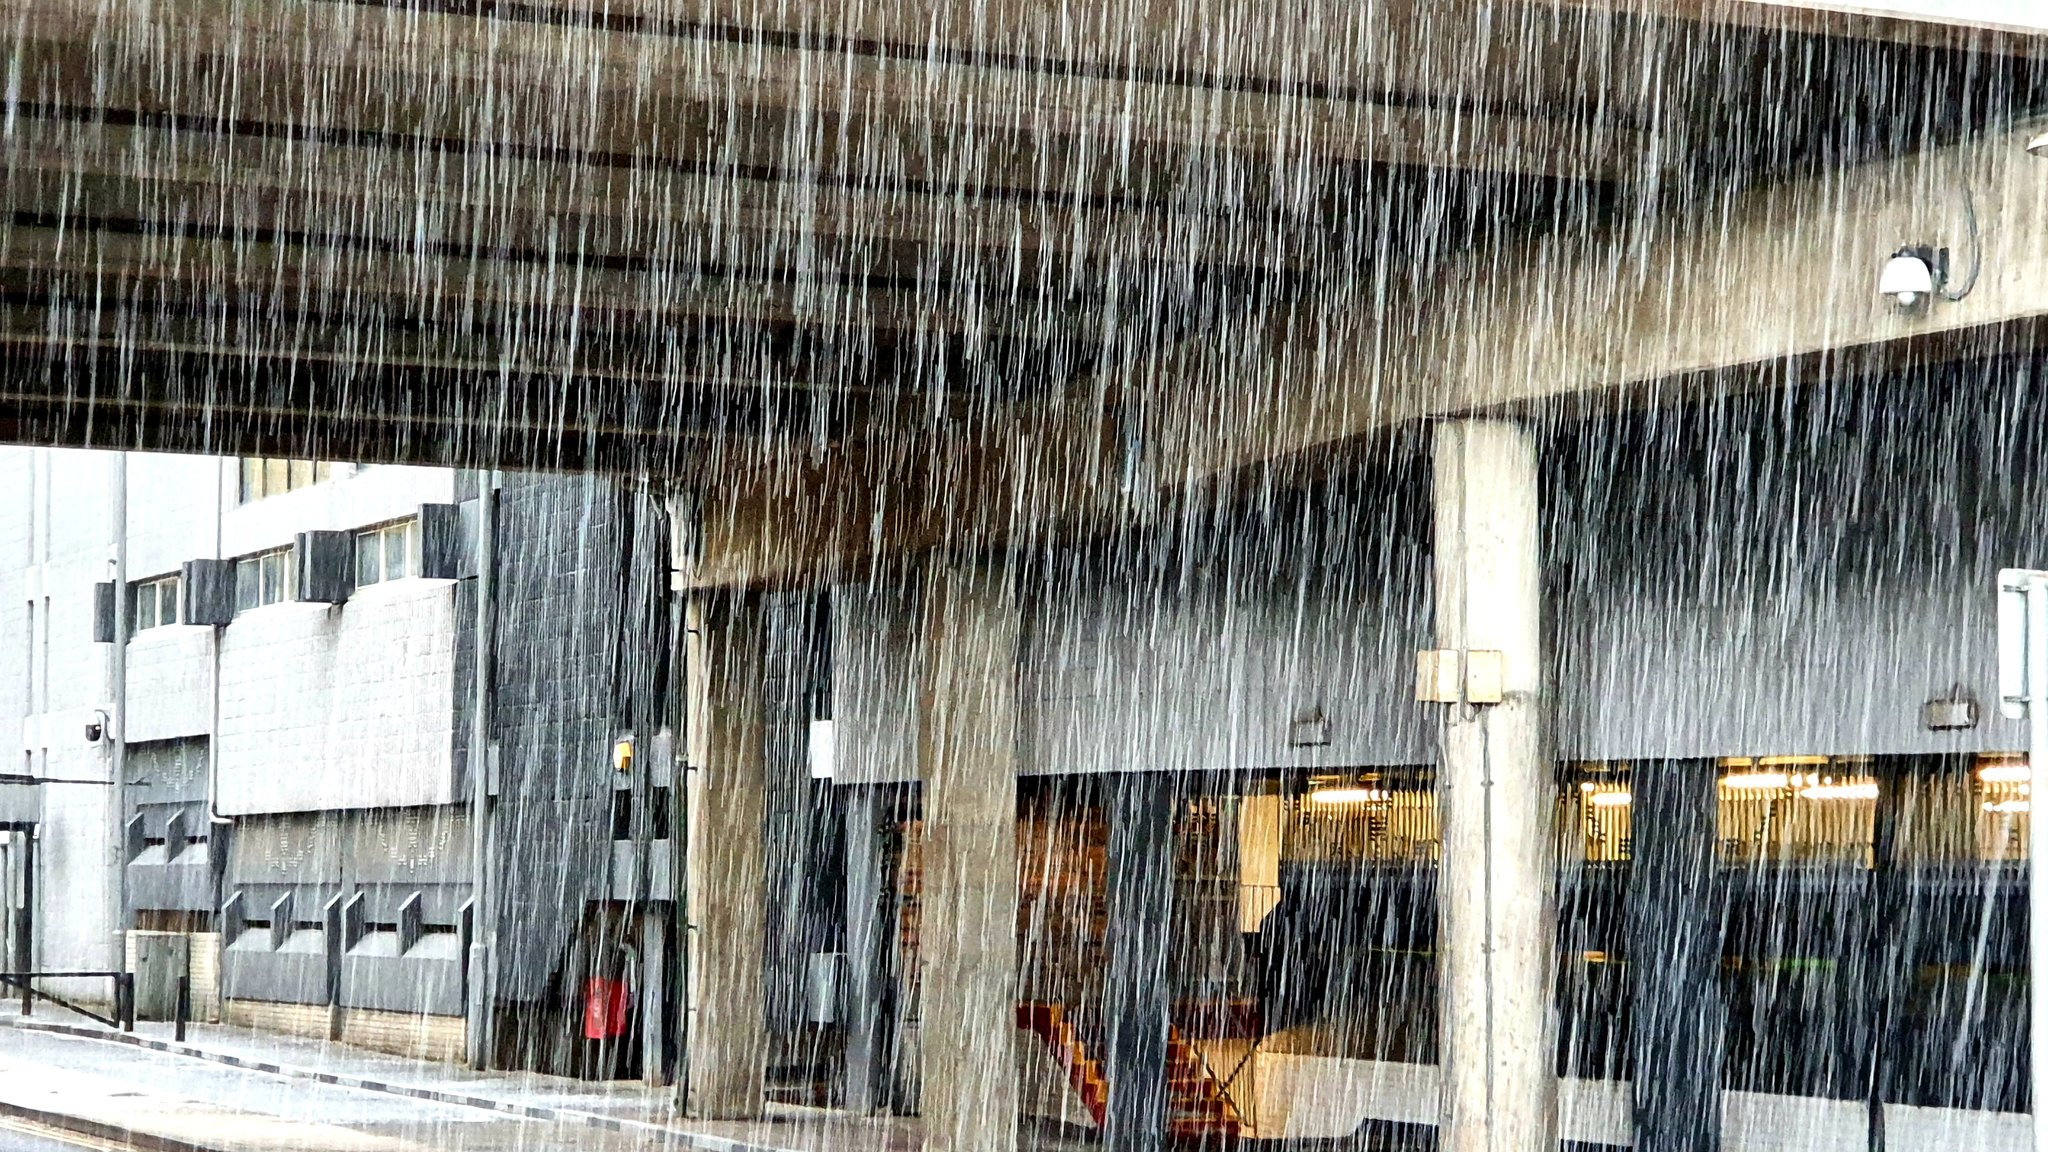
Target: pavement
[230, 1089]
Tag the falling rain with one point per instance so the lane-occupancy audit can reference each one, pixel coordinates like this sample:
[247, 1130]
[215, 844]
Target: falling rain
[1001, 576]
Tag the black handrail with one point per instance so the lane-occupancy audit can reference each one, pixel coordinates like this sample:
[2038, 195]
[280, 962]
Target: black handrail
[124, 994]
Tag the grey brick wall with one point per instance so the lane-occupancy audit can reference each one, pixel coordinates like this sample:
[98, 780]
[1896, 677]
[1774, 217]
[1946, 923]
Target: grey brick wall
[562, 556]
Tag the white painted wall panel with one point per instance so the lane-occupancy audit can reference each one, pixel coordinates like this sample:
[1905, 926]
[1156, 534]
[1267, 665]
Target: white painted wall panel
[173, 504]
[348, 707]
[170, 682]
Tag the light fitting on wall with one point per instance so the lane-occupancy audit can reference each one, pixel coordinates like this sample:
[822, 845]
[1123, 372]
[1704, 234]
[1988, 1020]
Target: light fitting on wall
[1912, 274]
[1917, 273]
[2038, 146]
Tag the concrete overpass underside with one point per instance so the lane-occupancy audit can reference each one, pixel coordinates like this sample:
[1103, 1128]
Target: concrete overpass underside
[638, 239]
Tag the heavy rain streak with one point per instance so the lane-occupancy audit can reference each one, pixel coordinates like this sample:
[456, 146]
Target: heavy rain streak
[1004, 575]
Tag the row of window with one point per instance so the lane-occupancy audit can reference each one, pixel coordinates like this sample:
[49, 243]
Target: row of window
[266, 476]
[382, 554]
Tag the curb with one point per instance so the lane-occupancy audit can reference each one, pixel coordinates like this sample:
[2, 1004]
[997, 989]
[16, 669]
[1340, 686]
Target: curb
[571, 1116]
[98, 1131]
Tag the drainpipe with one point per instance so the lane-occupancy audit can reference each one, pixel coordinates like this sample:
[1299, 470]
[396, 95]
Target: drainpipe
[214, 820]
[483, 966]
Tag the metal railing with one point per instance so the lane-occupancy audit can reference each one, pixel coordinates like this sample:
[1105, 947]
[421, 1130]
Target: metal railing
[124, 994]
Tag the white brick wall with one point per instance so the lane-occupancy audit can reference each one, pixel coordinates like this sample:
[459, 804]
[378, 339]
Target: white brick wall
[348, 707]
[170, 683]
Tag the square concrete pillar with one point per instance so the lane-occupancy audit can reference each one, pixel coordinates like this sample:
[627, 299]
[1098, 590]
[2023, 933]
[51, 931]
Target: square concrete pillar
[1674, 952]
[726, 1052]
[968, 936]
[1498, 800]
[869, 1077]
[1138, 998]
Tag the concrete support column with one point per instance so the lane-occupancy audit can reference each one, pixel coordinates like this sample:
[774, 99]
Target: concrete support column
[870, 1015]
[1140, 911]
[1498, 800]
[968, 747]
[1674, 950]
[727, 1053]
[654, 996]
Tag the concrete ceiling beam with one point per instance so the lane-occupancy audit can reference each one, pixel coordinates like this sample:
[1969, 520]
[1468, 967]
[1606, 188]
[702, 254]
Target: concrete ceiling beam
[731, 104]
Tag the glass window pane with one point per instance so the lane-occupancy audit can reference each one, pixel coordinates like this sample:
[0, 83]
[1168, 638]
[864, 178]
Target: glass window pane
[276, 477]
[273, 578]
[394, 552]
[246, 585]
[141, 604]
[301, 472]
[367, 555]
[167, 602]
[322, 472]
[252, 479]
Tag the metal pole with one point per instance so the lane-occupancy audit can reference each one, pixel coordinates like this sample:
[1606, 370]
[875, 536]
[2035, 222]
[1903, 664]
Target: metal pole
[183, 1011]
[116, 731]
[2023, 691]
[2037, 858]
[483, 923]
[26, 960]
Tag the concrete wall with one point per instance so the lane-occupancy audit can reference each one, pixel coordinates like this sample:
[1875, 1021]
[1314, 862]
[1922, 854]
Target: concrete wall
[1797, 574]
[172, 504]
[1792, 576]
[170, 683]
[64, 514]
[560, 580]
[348, 706]
[1282, 640]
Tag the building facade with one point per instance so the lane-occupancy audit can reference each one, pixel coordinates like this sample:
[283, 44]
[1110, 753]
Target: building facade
[247, 692]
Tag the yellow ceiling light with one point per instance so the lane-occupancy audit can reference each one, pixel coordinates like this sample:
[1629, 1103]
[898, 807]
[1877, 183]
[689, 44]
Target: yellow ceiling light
[2007, 773]
[1862, 791]
[1756, 782]
[1349, 796]
[1611, 799]
[2008, 806]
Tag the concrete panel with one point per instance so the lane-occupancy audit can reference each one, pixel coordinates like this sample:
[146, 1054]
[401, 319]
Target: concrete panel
[170, 683]
[1284, 640]
[347, 707]
[173, 509]
[875, 650]
[1800, 577]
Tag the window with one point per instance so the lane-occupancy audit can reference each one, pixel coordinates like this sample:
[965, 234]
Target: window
[265, 578]
[152, 603]
[385, 553]
[264, 476]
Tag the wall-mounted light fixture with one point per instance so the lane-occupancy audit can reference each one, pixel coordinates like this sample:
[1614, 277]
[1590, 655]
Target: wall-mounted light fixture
[1912, 275]
[1916, 273]
[2038, 146]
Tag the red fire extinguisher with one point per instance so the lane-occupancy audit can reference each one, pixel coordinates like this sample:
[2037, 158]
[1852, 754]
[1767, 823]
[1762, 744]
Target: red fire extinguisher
[607, 1009]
